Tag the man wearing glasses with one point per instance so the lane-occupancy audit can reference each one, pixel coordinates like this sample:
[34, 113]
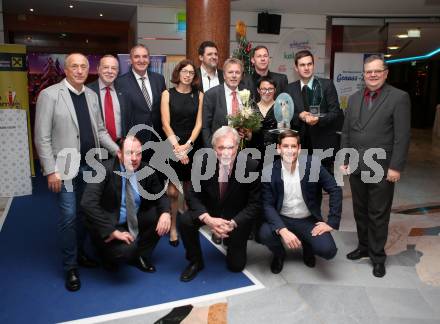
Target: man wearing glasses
[377, 120]
[261, 60]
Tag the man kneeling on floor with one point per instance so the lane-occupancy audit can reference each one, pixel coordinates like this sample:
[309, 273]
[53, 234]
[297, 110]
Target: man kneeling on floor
[222, 202]
[291, 210]
[124, 218]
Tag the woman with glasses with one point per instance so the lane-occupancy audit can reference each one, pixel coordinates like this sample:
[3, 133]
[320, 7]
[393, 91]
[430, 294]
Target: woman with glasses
[266, 88]
[181, 112]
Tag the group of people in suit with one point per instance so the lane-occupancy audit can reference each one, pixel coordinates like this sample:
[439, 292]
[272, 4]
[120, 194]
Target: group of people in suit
[125, 219]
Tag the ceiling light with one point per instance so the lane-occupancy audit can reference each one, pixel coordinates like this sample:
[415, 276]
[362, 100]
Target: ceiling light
[388, 55]
[393, 47]
[71, 6]
[414, 33]
[101, 15]
[402, 36]
[31, 9]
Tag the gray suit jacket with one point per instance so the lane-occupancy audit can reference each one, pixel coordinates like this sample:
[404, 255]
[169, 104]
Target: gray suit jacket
[56, 128]
[387, 125]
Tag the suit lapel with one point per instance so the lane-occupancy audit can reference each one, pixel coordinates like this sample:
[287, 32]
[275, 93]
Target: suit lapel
[278, 183]
[223, 105]
[297, 93]
[65, 94]
[89, 101]
[117, 183]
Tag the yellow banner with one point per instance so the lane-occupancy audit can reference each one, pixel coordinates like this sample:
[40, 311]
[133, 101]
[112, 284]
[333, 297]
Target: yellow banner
[14, 85]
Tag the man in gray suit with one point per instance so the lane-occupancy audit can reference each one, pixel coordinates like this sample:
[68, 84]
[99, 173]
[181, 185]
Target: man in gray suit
[377, 117]
[68, 122]
[222, 100]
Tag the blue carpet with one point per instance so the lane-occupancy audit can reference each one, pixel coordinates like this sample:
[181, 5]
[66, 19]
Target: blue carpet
[32, 280]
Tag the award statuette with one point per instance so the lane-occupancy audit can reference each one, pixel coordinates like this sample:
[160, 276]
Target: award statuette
[315, 96]
[283, 110]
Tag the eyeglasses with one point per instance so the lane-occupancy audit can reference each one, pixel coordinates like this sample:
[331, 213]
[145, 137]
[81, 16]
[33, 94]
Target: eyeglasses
[268, 90]
[370, 72]
[187, 72]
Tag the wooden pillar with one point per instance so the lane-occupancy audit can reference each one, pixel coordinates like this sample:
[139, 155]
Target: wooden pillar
[207, 20]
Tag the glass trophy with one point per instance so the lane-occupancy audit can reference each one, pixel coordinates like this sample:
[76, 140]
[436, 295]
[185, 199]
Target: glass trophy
[315, 98]
[283, 110]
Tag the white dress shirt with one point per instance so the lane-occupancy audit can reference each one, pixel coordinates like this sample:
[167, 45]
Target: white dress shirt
[71, 88]
[116, 106]
[207, 80]
[147, 83]
[293, 202]
[310, 84]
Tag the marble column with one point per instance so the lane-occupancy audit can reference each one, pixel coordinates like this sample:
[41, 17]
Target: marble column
[207, 20]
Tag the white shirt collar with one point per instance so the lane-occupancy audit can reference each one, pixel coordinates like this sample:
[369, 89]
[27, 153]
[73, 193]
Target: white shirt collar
[287, 170]
[102, 85]
[310, 84]
[71, 88]
[205, 73]
[137, 76]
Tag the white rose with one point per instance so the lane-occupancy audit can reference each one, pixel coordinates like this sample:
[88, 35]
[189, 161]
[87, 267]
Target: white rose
[244, 96]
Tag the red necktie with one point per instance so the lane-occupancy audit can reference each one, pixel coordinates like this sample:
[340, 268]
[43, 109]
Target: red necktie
[109, 114]
[234, 103]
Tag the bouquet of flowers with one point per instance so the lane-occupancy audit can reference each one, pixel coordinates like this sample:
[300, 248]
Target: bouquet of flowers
[247, 119]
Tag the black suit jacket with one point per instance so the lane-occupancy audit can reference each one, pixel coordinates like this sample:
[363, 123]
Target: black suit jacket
[140, 114]
[387, 126]
[123, 104]
[241, 201]
[250, 82]
[273, 193]
[199, 74]
[101, 201]
[324, 133]
[214, 113]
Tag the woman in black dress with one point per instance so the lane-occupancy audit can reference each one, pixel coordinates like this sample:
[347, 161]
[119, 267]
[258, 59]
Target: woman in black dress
[181, 113]
[266, 87]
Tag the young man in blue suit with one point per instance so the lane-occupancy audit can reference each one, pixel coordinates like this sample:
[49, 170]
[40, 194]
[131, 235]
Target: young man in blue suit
[291, 210]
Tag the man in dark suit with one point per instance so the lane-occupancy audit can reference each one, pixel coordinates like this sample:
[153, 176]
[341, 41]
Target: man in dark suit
[111, 100]
[261, 60]
[124, 219]
[144, 90]
[225, 204]
[291, 209]
[222, 100]
[378, 117]
[208, 73]
[316, 132]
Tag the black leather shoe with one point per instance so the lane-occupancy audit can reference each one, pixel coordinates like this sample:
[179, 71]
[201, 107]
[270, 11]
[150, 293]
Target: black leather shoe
[191, 271]
[85, 261]
[72, 280]
[277, 264]
[216, 239]
[309, 259]
[379, 270]
[144, 265]
[174, 243]
[357, 254]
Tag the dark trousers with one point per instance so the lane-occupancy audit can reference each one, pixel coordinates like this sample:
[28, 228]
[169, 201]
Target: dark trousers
[322, 245]
[372, 206]
[119, 252]
[236, 242]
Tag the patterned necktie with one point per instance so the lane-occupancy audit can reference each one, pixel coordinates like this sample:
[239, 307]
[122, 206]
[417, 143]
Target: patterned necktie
[145, 93]
[131, 209]
[109, 114]
[371, 97]
[234, 103]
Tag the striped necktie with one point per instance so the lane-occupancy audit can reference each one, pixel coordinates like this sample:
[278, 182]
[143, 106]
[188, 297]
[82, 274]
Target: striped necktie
[145, 93]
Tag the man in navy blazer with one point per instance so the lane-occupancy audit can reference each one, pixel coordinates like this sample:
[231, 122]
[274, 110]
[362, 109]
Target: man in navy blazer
[108, 70]
[144, 90]
[291, 210]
